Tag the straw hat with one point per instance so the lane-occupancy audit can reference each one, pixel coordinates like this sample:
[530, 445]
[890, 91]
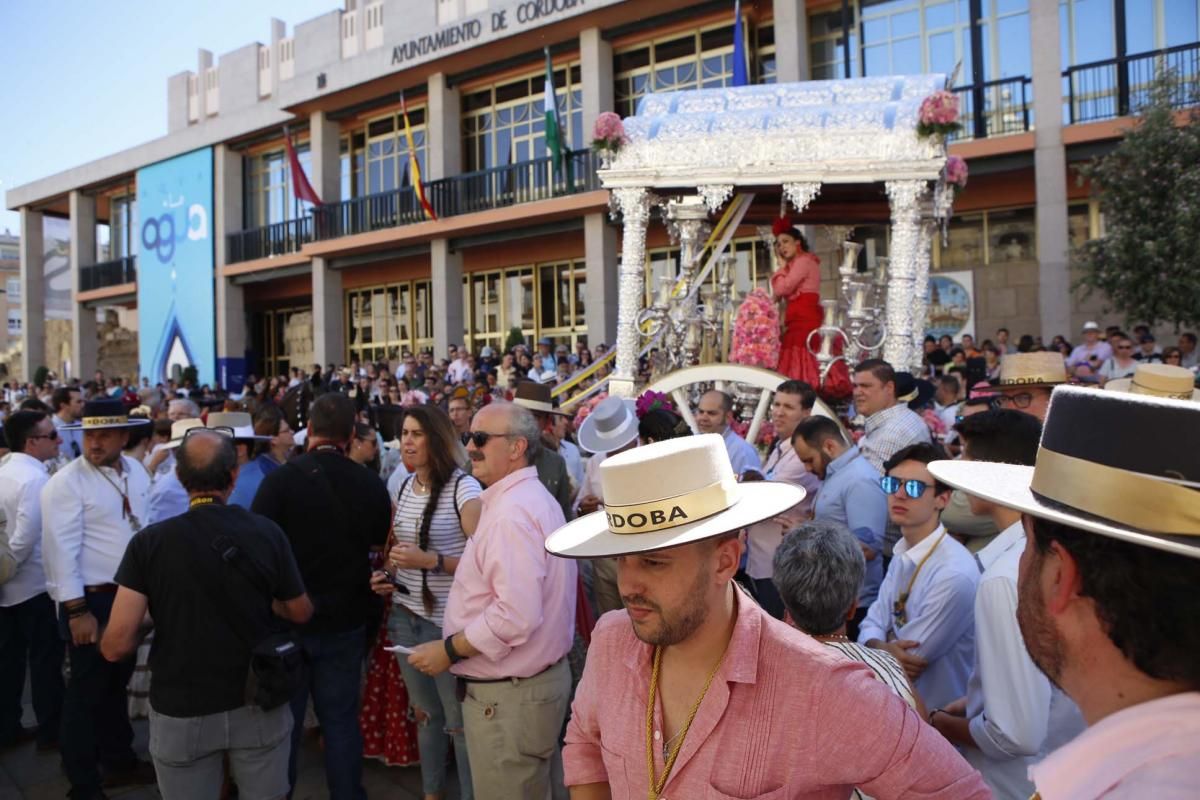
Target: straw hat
[104, 413]
[1159, 380]
[1104, 476]
[240, 421]
[179, 429]
[611, 425]
[1032, 370]
[668, 494]
[537, 398]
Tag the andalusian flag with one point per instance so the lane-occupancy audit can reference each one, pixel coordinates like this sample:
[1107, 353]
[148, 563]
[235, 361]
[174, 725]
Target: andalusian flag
[554, 131]
[414, 168]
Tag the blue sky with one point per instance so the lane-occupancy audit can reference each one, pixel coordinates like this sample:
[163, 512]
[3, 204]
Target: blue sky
[81, 79]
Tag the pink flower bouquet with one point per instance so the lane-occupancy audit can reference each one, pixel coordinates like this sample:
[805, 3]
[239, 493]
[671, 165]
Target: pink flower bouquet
[648, 401]
[938, 114]
[955, 171]
[609, 133]
[756, 332]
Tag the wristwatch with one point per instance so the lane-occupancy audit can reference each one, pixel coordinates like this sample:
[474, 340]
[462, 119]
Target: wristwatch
[451, 653]
[440, 567]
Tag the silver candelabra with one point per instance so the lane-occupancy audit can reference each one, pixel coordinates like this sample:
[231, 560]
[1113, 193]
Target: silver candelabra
[855, 319]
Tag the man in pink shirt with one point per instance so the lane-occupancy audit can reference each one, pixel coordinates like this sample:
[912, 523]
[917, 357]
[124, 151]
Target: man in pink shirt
[510, 617]
[793, 403]
[1106, 591]
[694, 691]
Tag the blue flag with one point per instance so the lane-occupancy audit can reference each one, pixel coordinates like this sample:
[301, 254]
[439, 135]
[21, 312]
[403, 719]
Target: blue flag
[739, 47]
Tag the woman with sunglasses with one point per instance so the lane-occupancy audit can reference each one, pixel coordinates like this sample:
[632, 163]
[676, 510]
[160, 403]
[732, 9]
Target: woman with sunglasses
[437, 508]
[1173, 356]
[1121, 364]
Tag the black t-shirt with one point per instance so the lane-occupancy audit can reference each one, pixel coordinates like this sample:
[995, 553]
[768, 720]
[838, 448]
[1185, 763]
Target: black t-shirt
[199, 660]
[332, 512]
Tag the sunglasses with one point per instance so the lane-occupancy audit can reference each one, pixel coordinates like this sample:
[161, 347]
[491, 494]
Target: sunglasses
[1020, 400]
[481, 438]
[912, 487]
[51, 436]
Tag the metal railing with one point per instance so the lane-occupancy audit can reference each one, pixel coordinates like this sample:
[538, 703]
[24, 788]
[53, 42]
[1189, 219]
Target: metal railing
[467, 193]
[995, 108]
[108, 273]
[1117, 87]
[276, 239]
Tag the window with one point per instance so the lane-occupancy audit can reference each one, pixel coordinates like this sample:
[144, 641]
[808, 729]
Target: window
[13, 290]
[541, 300]
[384, 321]
[991, 237]
[386, 151]
[452, 10]
[1087, 30]
[14, 322]
[284, 339]
[269, 195]
[505, 123]
[123, 226]
[766, 54]
[827, 45]
[698, 60]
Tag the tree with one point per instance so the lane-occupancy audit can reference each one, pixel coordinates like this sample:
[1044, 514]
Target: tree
[1147, 263]
[515, 337]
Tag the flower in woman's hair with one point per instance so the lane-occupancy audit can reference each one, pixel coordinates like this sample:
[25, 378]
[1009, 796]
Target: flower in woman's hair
[649, 401]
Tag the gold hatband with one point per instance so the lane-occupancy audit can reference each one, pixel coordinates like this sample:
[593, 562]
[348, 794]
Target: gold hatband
[104, 422]
[672, 511]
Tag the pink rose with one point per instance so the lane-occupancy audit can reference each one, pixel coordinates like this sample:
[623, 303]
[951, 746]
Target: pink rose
[956, 171]
[609, 127]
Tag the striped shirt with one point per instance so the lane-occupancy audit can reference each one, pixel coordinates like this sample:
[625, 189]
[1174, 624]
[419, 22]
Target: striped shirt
[445, 536]
[885, 666]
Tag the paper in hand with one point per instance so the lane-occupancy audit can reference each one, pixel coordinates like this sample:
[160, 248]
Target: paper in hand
[399, 648]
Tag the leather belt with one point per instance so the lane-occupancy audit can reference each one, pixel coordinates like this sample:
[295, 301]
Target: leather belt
[101, 588]
[469, 679]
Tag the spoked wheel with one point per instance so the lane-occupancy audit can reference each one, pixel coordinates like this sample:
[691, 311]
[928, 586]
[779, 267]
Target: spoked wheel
[750, 387]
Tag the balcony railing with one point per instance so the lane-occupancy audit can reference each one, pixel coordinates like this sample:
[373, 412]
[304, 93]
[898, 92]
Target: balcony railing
[276, 239]
[995, 108]
[108, 273]
[1117, 87]
[467, 193]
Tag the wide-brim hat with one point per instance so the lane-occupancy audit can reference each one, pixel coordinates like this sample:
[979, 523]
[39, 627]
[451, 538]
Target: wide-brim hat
[669, 494]
[104, 413]
[1043, 370]
[611, 425]
[1158, 380]
[240, 421]
[1130, 472]
[179, 429]
[915, 392]
[537, 398]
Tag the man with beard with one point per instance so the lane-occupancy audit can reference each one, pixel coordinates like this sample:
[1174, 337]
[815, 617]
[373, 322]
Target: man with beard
[1107, 601]
[694, 690]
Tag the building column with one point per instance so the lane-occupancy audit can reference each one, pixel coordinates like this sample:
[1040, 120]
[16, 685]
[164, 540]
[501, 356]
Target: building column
[1050, 167]
[33, 293]
[600, 257]
[596, 73]
[920, 304]
[443, 142]
[635, 210]
[791, 41]
[231, 304]
[906, 198]
[328, 310]
[448, 322]
[85, 345]
[324, 144]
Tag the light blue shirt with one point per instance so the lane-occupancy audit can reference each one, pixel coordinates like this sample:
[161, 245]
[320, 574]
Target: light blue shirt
[167, 498]
[851, 496]
[1016, 715]
[70, 441]
[940, 613]
[249, 478]
[742, 455]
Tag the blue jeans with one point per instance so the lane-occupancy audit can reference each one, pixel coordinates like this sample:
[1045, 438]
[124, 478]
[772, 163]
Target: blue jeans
[29, 634]
[334, 681]
[437, 698]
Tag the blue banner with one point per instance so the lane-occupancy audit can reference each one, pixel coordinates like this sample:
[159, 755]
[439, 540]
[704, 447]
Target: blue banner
[176, 291]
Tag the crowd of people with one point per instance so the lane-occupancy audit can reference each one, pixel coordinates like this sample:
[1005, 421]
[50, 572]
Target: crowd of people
[435, 564]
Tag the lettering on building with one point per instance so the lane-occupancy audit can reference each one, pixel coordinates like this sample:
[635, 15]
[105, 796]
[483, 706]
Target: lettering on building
[528, 13]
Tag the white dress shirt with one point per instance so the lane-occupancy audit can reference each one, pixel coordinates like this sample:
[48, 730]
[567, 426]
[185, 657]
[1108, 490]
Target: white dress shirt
[167, 498]
[84, 530]
[940, 613]
[21, 479]
[1016, 715]
[742, 455]
[70, 440]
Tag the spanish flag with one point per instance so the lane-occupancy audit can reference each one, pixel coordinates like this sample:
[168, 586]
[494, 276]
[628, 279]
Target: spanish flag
[414, 166]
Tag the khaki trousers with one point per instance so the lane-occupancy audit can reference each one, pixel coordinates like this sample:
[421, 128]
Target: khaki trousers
[512, 730]
[604, 586]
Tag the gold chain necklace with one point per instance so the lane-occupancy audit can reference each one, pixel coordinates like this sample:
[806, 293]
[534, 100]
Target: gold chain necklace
[657, 784]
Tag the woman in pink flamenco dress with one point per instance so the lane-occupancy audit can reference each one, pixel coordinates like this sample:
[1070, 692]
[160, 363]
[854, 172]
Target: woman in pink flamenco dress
[798, 281]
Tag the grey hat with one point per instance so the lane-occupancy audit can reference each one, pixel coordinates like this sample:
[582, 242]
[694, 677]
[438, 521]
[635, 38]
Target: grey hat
[612, 424]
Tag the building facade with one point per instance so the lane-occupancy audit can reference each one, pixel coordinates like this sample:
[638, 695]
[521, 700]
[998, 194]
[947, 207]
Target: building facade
[522, 245]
